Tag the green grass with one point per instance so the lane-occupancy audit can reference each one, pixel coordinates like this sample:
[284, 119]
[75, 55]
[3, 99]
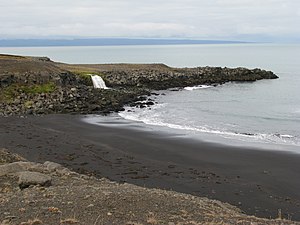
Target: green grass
[11, 92]
[88, 73]
[38, 88]
[85, 76]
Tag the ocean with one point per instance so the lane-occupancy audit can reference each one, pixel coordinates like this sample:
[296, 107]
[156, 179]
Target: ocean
[264, 113]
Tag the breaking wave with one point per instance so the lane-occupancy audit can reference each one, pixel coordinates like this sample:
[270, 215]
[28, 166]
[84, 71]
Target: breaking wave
[152, 118]
[197, 87]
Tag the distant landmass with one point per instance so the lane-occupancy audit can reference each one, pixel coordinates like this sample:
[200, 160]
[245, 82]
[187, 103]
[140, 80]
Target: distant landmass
[105, 42]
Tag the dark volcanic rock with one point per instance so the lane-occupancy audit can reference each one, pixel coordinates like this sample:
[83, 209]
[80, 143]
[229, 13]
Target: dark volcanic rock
[171, 78]
[81, 99]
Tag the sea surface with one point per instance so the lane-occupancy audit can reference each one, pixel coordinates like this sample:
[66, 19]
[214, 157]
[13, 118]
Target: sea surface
[263, 113]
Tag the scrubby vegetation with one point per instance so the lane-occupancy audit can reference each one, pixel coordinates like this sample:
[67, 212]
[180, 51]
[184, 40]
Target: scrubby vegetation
[11, 92]
[84, 77]
[39, 88]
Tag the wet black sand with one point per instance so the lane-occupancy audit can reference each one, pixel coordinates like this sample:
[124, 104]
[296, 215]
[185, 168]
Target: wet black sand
[257, 181]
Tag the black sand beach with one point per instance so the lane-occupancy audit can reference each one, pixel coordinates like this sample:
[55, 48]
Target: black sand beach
[257, 181]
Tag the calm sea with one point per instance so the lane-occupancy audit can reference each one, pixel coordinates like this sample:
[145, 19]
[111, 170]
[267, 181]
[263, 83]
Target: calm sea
[264, 113]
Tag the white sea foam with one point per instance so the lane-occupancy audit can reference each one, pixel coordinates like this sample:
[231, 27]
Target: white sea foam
[285, 136]
[197, 87]
[151, 117]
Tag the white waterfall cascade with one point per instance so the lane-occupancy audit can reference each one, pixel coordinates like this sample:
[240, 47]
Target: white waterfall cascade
[98, 82]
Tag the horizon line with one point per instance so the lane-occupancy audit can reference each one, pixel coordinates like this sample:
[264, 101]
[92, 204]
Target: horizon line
[115, 41]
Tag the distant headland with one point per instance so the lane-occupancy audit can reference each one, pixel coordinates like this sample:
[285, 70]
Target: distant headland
[106, 42]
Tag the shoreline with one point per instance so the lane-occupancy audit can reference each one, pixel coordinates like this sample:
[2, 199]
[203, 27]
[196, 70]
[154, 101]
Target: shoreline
[117, 120]
[257, 181]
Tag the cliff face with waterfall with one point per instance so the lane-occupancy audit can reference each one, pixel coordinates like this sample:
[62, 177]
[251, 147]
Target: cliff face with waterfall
[37, 85]
[98, 82]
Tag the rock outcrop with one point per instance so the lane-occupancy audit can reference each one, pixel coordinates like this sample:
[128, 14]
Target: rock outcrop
[27, 179]
[71, 99]
[170, 78]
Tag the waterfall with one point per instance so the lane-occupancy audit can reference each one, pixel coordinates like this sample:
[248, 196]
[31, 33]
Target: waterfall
[98, 82]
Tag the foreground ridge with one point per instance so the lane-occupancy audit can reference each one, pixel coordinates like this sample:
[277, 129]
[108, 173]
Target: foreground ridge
[72, 198]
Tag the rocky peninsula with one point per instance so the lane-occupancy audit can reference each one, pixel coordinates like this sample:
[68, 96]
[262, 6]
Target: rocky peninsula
[37, 85]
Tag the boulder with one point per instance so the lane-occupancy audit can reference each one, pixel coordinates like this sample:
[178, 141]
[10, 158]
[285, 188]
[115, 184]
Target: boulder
[15, 167]
[27, 178]
[149, 103]
[52, 166]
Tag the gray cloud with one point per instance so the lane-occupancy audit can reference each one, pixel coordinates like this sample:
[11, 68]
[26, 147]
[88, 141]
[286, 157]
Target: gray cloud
[214, 19]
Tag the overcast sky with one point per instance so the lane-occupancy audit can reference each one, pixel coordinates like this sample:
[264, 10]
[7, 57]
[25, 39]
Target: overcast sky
[252, 20]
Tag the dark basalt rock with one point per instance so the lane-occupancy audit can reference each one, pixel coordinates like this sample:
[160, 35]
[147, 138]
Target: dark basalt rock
[176, 78]
[67, 99]
[62, 79]
[149, 103]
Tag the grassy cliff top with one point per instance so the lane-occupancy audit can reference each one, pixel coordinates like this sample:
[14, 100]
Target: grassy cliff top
[25, 64]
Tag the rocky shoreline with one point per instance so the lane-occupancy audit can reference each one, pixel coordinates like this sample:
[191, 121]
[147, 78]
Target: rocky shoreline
[161, 79]
[36, 85]
[73, 99]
